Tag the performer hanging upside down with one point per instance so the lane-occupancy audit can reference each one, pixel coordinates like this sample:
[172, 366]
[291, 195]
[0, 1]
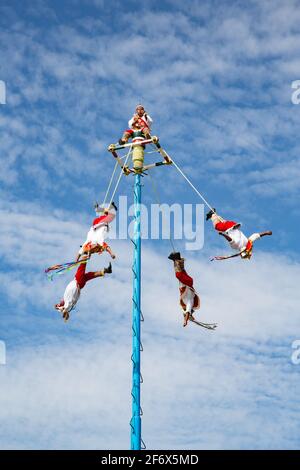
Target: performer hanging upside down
[99, 232]
[189, 299]
[141, 121]
[237, 240]
[73, 289]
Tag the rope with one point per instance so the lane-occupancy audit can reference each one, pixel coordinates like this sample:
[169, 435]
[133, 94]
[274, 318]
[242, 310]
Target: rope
[110, 183]
[120, 176]
[155, 150]
[112, 177]
[156, 193]
[191, 184]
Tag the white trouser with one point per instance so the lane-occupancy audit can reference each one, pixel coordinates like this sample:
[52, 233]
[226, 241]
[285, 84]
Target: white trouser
[188, 299]
[71, 295]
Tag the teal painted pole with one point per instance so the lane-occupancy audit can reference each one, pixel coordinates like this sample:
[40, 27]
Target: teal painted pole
[136, 321]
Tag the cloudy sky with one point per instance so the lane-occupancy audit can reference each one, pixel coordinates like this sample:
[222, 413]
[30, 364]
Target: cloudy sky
[216, 77]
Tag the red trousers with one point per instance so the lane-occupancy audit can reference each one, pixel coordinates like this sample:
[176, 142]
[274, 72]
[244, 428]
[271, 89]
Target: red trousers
[82, 277]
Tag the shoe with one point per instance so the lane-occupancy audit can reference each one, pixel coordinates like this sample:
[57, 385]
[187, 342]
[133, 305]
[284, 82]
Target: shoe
[210, 213]
[174, 256]
[108, 270]
[122, 142]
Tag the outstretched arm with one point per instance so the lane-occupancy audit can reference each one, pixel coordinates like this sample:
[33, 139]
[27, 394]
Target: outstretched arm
[81, 255]
[108, 249]
[221, 258]
[263, 234]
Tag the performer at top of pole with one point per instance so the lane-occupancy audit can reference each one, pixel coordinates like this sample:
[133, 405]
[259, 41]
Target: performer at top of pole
[139, 132]
[141, 121]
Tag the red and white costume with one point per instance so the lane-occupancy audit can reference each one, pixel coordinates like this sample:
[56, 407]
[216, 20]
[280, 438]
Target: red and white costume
[189, 299]
[73, 289]
[99, 230]
[239, 241]
[144, 124]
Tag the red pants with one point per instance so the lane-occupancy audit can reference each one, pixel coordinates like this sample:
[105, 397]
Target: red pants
[185, 278]
[223, 226]
[144, 130]
[82, 277]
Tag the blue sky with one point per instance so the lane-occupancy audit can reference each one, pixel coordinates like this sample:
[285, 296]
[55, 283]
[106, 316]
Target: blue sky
[216, 78]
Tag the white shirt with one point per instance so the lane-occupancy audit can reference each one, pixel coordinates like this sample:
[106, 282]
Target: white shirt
[239, 240]
[145, 118]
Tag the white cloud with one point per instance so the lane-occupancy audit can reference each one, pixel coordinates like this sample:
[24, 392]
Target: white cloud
[217, 83]
[69, 387]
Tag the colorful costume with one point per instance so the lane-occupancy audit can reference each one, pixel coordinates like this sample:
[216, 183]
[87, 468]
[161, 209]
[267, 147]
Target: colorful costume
[142, 123]
[73, 289]
[99, 232]
[237, 240]
[189, 299]
[139, 124]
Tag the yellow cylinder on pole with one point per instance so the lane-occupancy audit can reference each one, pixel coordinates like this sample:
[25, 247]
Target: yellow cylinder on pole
[138, 157]
[138, 151]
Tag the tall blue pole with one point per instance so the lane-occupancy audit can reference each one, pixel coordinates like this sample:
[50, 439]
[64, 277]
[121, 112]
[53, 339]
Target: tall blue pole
[136, 321]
